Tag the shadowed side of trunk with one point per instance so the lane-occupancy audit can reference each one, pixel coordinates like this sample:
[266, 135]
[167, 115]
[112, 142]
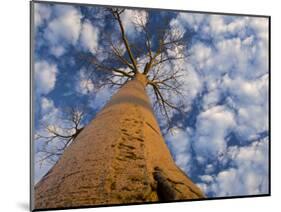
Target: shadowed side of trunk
[120, 157]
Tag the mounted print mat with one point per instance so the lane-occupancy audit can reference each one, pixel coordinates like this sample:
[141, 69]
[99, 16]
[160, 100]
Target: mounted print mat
[139, 105]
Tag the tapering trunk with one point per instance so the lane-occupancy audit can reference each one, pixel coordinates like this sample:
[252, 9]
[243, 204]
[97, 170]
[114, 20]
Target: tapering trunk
[120, 157]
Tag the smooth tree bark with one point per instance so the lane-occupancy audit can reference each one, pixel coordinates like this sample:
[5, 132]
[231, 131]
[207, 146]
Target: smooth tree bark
[119, 157]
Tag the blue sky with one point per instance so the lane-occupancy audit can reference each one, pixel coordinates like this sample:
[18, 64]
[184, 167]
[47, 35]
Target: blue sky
[222, 141]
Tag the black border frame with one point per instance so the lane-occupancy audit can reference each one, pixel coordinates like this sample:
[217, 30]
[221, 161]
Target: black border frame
[31, 104]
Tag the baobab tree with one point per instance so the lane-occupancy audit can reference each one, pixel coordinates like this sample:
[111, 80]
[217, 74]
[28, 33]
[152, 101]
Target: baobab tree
[121, 156]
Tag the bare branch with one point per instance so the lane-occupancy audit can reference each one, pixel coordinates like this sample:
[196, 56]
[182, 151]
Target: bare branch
[116, 13]
[55, 139]
[102, 67]
[119, 56]
[162, 102]
[159, 58]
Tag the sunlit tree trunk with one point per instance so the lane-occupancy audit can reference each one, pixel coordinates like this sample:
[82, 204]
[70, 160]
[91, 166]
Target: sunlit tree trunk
[119, 157]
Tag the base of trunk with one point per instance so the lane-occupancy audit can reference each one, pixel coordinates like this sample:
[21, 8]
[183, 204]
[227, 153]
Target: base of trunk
[119, 158]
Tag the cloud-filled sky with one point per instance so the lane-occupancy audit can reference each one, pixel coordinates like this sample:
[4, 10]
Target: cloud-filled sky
[222, 141]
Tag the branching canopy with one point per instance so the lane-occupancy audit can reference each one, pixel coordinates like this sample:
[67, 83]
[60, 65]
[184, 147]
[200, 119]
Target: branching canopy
[150, 55]
[155, 54]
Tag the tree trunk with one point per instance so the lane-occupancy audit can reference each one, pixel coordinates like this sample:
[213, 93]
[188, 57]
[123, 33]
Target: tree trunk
[120, 157]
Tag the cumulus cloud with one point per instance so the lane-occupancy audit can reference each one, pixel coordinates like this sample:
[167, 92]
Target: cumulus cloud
[131, 18]
[248, 174]
[235, 65]
[49, 113]
[46, 105]
[84, 84]
[45, 76]
[176, 28]
[89, 36]
[62, 28]
[201, 55]
[57, 50]
[65, 26]
[41, 14]
[189, 79]
[193, 21]
[211, 128]
[246, 92]
[230, 54]
[101, 97]
[180, 144]
[250, 99]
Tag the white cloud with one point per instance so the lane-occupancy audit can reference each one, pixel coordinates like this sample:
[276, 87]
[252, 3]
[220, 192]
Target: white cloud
[46, 105]
[211, 128]
[201, 56]
[84, 84]
[180, 143]
[50, 114]
[132, 17]
[250, 99]
[45, 77]
[101, 97]
[219, 25]
[57, 50]
[211, 99]
[89, 36]
[42, 13]
[234, 68]
[194, 21]
[176, 28]
[55, 117]
[240, 43]
[189, 80]
[63, 29]
[209, 169]
[226, 179]
[235, 65]
[66, 26]
[260, 26]
[250, 175]
[207, 178]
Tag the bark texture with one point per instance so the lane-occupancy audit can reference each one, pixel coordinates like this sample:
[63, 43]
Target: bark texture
[120, 157]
